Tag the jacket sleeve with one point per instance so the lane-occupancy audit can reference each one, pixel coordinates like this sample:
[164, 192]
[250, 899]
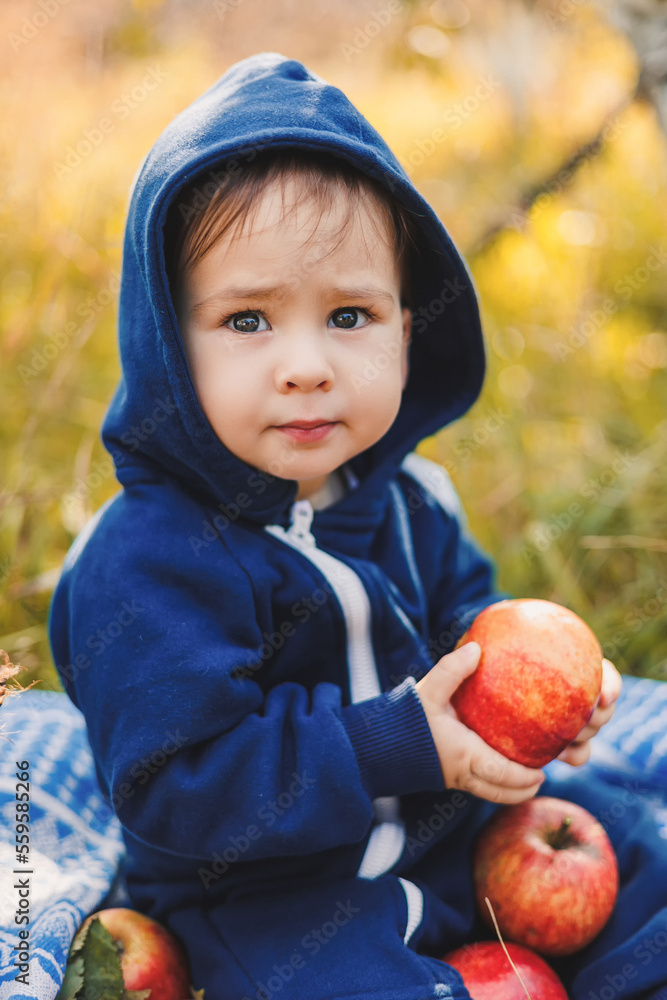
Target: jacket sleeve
[189, 748]
[458, 576]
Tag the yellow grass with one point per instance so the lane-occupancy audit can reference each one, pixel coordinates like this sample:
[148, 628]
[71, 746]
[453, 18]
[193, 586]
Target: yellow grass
[559, 464]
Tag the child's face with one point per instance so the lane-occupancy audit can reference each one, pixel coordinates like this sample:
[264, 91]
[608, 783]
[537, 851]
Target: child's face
[326, 348]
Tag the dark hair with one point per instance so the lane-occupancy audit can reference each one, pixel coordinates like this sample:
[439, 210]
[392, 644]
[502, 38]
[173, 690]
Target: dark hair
[221, 201]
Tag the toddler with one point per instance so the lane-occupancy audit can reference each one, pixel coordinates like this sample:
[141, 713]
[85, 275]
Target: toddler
[298, 575]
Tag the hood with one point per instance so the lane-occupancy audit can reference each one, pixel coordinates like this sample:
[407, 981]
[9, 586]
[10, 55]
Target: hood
[155, 426]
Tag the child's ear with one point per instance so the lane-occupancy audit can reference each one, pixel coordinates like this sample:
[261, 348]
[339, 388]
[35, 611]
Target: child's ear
[407, 328]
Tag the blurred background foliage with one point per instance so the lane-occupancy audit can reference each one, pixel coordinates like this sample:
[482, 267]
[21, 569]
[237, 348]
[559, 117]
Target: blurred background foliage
[534, 128]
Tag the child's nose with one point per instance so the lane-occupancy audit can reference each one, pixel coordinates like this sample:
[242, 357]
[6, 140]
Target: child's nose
[303, 365]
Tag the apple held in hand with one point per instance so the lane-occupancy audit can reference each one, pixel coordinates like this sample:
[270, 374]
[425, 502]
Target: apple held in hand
[488, 975]
[550, 872]
[537, 681]
[140, 959]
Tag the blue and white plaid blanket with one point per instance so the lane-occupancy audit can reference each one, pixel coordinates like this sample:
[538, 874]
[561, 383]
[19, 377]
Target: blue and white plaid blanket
[75, 842]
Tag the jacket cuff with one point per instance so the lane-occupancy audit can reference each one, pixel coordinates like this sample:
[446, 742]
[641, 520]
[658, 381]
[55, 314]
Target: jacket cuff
[392, 740]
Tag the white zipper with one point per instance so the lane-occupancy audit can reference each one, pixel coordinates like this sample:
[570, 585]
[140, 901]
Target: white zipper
[387, 838]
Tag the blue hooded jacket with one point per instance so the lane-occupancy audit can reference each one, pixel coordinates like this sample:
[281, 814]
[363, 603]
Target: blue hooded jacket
[178, 598]
[247, 665]
[235, 651]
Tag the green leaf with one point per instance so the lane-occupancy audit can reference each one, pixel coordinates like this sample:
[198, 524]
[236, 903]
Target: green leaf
[72, 987]
[94, 969]
[103, 978]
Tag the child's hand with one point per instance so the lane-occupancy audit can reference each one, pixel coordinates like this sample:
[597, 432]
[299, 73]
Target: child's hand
[467, 761]
[578, 751]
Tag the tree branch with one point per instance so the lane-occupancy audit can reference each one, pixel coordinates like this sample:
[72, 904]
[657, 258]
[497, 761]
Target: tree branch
[516, 217]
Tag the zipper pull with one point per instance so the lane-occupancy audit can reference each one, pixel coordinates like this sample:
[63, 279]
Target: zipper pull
[302, 516]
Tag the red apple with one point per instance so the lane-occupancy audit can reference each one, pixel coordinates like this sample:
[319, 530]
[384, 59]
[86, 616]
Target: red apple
[151, 958]
[537, 682]
[488, 975]
[550, 872]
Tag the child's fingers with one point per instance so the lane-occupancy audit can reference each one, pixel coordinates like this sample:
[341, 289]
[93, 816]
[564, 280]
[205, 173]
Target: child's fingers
[500, 794]
[578, 751]
[612, 682]
[450, 671]
[604, 707]
[473, 766]
[487, 765]
[598, 719]
[576, 754]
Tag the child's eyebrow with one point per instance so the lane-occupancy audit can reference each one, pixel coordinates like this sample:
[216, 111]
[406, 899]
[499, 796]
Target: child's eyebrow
[278, 291]
[363, 292]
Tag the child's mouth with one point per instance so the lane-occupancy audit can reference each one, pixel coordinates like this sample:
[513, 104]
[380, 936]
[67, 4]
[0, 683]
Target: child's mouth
[306, 431]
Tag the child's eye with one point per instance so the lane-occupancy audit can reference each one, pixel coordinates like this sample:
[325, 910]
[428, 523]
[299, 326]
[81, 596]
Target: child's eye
[346, 319]
[247, 322]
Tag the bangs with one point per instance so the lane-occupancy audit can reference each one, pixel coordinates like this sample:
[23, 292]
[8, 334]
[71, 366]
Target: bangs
[226, 206]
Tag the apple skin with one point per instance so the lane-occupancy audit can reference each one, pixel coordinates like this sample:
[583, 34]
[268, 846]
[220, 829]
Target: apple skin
[554, 899]
[488, 975]
[151, 958]
[537, 681]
